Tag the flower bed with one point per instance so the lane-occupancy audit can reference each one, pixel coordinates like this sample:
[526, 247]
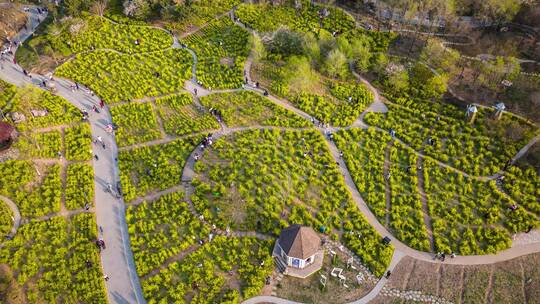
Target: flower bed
[119, 77]
[364, 152]
[267, 18]
[225, 270]
[94, 32]
[406, 216]
[246, 108]
[136, 122]
[161, 229]
[336, 108]
[153, 168]
[39, 145]
[59, 110]
[50, 258]
[264, 180]
[79, 186]
[222, 48]
[523, 185]
[7, 91]
[469, 216]
[480, 149]
[180, 116]
[6, 221]
[36, 198]
[78, 142]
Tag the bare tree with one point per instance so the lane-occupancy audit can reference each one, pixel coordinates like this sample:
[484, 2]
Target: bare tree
[99, 7]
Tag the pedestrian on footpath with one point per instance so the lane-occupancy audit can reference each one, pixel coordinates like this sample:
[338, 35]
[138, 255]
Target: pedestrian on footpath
[105, 277]
[101, 103]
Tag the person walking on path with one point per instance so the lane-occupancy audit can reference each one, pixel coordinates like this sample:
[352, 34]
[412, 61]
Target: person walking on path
[101, 103]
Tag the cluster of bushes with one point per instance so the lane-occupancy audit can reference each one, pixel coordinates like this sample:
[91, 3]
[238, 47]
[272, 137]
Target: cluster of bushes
[79, 186]
[56, 260]
[345, 103]
[313, 71]
[122, 77]
[88, 33]
[246, 108]
[136, 122]
[406, 216]
[209, 274]
[180, 116]
[162, 229]
[7, 91]
[6, 221]
[196, 13]
[265, 180]
[307, 18]
[48, 144]
[475, 149]
[523, 185]
[59, 110]
[39, 145]
[470, 216]
[222, 48]
[154, 168]
[78, 142]
[364, 154]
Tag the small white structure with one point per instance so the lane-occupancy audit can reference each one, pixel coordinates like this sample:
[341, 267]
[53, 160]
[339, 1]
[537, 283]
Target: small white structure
[298, 251]
[471, 112]
[499, 109]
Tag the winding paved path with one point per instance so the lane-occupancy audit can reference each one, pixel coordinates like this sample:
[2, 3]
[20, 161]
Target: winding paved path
[117, 259]
[16, 215]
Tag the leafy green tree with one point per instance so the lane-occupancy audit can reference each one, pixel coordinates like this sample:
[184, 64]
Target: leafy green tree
[301, 76]
[312, 47]
[499, 11]
[439, 56]
[285, 43]
[398, 81]
[257, 47]
[336, 64]
[75, 7]
[361, 55]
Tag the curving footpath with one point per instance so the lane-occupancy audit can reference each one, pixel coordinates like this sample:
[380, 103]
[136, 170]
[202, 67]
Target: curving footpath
[117, 260]
[16, 215]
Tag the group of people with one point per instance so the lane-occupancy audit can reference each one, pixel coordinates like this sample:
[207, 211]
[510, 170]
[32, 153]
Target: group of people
[442, 256]
[101, 244]
[206, 142]
[216, 113]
